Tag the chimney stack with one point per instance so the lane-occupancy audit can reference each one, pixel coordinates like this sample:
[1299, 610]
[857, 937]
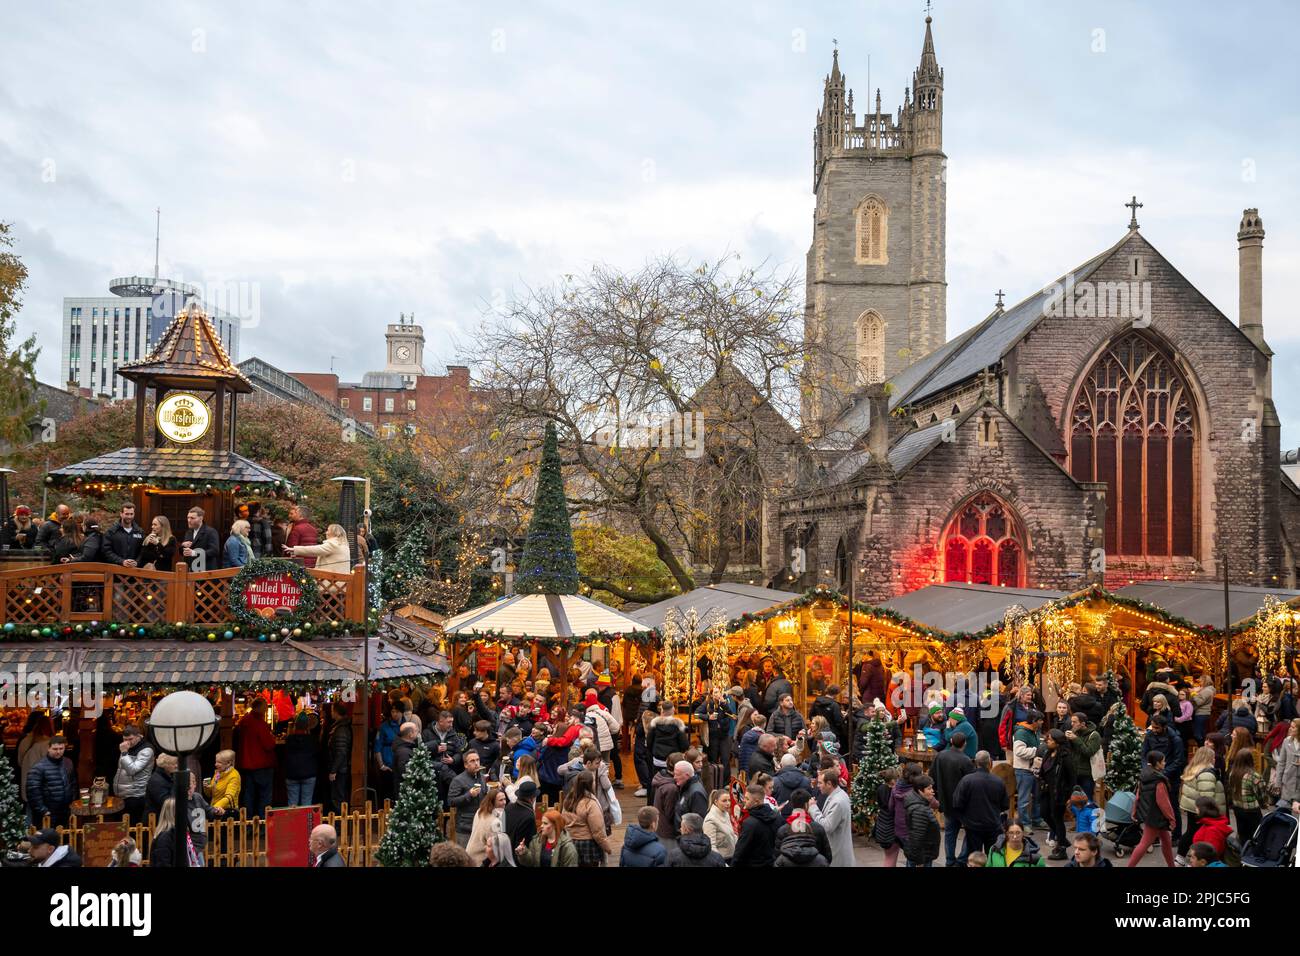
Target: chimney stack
[878, 429]
[1250, 276]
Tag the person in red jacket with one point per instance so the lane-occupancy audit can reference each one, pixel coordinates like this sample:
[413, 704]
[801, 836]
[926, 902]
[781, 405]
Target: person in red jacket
[255, 758]
[302, 532]
[1214, 829]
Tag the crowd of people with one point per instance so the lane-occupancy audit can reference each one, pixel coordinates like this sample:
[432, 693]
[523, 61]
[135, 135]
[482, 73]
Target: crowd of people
[255, 533]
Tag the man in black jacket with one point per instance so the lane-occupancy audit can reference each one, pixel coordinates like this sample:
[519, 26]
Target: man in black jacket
[52, 784]
[201, 538]
[691, 795]
[693, 847]
[756, 844]
[46, 850]
[324, 846]
[50, 531]
[828, 706]
[949, 768]
[979, 800]
[122, 542]
[340, 755]
[521, 819]
[761, 761]
[922, 844]
[465, 794]
[408, 738]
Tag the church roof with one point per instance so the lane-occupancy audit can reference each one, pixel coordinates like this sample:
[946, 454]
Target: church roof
[986, 344]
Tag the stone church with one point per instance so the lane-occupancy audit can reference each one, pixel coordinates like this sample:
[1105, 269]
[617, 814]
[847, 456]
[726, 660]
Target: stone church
[1113, 426]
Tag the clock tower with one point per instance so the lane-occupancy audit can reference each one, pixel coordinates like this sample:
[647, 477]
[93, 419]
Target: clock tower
[405, 349]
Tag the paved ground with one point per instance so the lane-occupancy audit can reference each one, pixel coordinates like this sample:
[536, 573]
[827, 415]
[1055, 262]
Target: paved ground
[868, 853]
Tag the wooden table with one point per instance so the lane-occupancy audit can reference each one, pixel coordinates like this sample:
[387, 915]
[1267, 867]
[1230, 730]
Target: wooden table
[923, 757]
[112, 807]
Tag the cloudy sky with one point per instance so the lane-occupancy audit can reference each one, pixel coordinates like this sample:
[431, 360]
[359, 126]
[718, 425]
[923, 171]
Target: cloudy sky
[353, 161]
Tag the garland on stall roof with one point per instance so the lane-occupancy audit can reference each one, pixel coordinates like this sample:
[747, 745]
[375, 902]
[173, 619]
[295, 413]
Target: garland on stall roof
[1095, 592]
[603, 637]
[267, 631]
[92, 485]
[294, 687]
[267, 568]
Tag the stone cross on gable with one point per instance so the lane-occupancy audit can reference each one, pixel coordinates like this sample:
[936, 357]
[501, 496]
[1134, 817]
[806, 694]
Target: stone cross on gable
[1133, 205]
[1000, 294]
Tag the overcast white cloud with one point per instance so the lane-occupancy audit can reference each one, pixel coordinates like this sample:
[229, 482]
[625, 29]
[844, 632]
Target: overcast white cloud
[361, 160]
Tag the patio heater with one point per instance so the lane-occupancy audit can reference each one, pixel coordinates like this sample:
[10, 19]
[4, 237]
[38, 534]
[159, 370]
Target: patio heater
[349, 513]
[181, 725]
[4, 491]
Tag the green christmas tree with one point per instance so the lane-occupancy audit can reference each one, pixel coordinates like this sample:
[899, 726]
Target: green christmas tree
[12, 822]
[1125, 764]
[413, 824]
[878, 755]
[549, 564]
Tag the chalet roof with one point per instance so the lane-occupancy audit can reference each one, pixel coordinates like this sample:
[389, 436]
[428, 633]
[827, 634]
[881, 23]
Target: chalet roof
[562, 617]
[171, 663]
[1201, 602]
[730, 599]
[960, 608]
[169, 464]
[188, 355]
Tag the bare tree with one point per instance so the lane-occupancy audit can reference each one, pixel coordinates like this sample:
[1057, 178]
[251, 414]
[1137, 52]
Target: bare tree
[672, 388]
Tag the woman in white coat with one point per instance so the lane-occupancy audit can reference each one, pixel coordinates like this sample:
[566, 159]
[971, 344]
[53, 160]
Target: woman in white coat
[330, 555]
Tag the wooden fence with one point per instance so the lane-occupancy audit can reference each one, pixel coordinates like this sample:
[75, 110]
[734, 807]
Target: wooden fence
[241, 841]
[91, 591]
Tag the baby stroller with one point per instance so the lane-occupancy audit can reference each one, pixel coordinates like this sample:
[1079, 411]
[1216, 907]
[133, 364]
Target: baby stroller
[1122, 831]
[1274, 842]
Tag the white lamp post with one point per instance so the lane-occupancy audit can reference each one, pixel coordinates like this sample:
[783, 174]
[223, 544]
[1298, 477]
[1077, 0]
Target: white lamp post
[182, 724]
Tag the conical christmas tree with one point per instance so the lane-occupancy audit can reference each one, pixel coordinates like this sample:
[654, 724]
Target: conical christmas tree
[549, 565]
[413, 824]
[1125, 763]
[12, 819]
[878, 755]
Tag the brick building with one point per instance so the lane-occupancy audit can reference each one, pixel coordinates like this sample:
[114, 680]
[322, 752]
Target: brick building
[1113, 426]
[402, 396]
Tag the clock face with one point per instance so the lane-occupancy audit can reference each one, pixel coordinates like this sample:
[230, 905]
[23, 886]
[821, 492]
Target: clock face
[404, 353]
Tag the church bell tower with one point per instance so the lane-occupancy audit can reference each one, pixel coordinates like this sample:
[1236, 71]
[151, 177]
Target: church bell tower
[876, 287]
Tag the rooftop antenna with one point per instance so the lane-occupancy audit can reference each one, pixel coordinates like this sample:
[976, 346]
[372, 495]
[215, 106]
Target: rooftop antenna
[157, 232]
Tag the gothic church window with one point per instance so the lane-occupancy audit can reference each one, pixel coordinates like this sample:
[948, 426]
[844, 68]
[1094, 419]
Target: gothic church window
[871, 349]
[1133, 428]
[982, 545]
[873, 231]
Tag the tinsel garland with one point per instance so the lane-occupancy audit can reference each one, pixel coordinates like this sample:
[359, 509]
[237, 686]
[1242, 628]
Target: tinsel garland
[180, 631]
[294, 686]
[269, 568]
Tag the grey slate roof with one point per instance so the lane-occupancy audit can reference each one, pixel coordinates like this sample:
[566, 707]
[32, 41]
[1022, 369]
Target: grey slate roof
[732, 600]
[1201, 602]
[960, 608]
[914, 446]
[244, 662]
[169, 462]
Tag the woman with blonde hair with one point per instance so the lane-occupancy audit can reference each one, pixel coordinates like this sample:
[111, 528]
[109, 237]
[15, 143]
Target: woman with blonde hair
[159, 546]
[331, 554]
[525, 769]
[1199, 780]
[239, 550]
[487, 822]
[223, 790]
[162, 848]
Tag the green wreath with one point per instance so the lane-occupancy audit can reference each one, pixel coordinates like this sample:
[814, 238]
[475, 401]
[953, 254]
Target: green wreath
[267, 567]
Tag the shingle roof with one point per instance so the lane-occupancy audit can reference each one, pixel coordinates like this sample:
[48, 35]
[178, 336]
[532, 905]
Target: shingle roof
[171, 462]
[220, 662]
[189, 348]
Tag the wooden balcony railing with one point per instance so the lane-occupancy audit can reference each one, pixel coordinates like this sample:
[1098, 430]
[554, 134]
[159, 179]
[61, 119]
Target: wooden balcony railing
[90, 591]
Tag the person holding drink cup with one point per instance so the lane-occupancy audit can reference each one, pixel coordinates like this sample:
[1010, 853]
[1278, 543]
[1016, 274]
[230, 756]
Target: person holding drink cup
[467, 790]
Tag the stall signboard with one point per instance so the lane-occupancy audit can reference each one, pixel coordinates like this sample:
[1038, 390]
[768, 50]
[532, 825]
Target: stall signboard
[487, 661]
[272, 594]
[183, 418]
[98, 840]
[287, 831]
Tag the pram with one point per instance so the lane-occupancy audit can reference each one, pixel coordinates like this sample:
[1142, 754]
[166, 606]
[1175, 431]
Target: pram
[1122, 831]
[1274, 842]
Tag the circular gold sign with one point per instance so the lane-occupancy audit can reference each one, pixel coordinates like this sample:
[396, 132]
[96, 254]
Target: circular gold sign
[183, 418]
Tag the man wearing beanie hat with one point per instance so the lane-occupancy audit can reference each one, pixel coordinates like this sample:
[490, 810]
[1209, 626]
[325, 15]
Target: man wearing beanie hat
[958, 724]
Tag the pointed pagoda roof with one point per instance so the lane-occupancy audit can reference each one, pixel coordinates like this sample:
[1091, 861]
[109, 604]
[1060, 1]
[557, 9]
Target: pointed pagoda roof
[189, 355]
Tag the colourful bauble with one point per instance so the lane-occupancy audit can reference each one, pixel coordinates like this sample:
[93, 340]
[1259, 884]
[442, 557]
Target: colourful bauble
[284, 632]
[9, 626]
[262, 638]
[140, 631]
[67, 630]
[297, 632]
[46, 632]
[228, 635]
[212, 637]
[79, 628]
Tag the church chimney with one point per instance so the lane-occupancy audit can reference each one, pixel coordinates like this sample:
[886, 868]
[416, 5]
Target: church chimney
[1250, 276]
[878, 429]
